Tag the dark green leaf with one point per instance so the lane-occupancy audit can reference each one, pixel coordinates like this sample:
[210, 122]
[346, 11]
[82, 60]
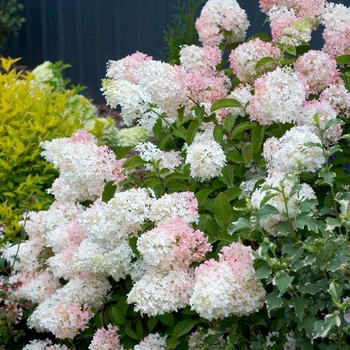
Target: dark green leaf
[225, 103]
[191, 131]
[184, 327]
[132, 334]
[222, 210]
[247, 152]
[257, 138]
[121, 152]
[263, 61]
[116, 315]
[180, 132]
[299, 304]
[273, 301]
[238, 225]
[167, 319]
[229, 123]
[334, 291]
[343, 59]
[218, 133]
[266, 211]
[232, 193]
[282, 282]
[134, 162]
[263, 272]
[322, 328]
[171, 343]
[108, 191]
[152, 322]
[240, 128]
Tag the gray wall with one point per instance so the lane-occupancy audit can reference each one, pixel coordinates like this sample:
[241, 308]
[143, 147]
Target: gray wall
[88, 33]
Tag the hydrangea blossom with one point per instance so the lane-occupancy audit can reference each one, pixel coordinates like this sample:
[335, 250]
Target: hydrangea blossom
[316, 114]
[46, 344]
[290, 154]
[310, 8]
[158, 292]
[182, 204]
[200, 59]
[317, 70]
[152, 341]
[172, 243]
[284, 199]
[228, 286]
[124, 68]
[205, 156]
[287, 28]
[339, 97]
[84, 167]
[151, 153]
[218, 17]
[278, 97]
[106, 339]
[135, 102]
[244, 58]
[337, 29]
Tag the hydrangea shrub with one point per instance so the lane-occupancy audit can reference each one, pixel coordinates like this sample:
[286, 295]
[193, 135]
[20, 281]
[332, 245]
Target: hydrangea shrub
[230, 230]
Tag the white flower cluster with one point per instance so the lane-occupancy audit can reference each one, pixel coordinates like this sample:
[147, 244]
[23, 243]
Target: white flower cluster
[278, 97]
[152, 341]
[205, 156]
[291, 153]
[84, 167]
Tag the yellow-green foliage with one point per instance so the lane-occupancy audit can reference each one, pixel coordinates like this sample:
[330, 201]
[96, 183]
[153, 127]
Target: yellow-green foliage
[31, 112]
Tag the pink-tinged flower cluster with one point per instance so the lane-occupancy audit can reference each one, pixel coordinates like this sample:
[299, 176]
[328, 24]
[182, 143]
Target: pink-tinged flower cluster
[173, 243]
[205, 156]
[310, 8]
[278, 97]
[316, 114]
[203, 59]
[152, 341]
[244, 58]
[290, 154]
[228, 286]
[63, 319]
[339, 97]
[106, 339]
[280, 188]
[124, 68]
[337, 30]
[287, 28]
[67, 311]
[183, 204]
[317, 69]
[149, 152]
[221, 19]
[84, 167]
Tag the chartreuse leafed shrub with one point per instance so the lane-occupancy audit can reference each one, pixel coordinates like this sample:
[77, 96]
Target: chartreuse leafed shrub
[237, 234]
[34, 107]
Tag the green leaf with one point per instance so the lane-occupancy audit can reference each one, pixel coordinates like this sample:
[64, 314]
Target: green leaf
[332, 224]
[334, 291]
[309, 288]
[167, 319]
[184, 327]
[328, 176]
[116, 315]
[134, 162]
[282, 282]
[172, 343]
[263, 272]
[242, 127]
[202, 194]
[266, 211]
[273, 301]
[5, 164]
[232, 193]
[291, 50]
[343, 59]
[152, 322]
[225, 103]
[218, 133]
[247, 152]
[180, 132]
[222, 210]
[257, 138]
[238, 225]
[191, 131]
[263, 61]
[227, 175]
[299, 304]
[121, 152]
[132, 334]
[157, 129]
[229, 123]
[322, 328]
[108, 191]
[306, 220]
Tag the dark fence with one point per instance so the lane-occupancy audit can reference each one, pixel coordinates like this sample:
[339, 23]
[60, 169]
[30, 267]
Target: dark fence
[88, 33]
